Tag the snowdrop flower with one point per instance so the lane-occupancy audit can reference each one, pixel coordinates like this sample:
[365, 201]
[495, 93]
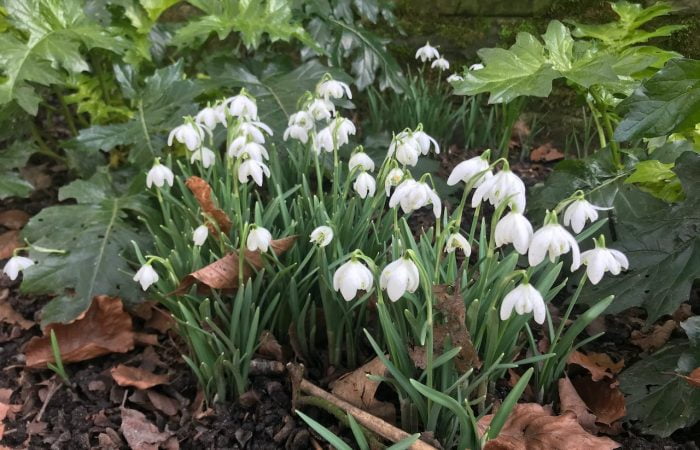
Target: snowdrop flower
[15, 265]
[322, 236]
[440, 64]
[253, 169]
[343, 129]
[362, 161]
[466, 170]
[477, 66]
[455, 77]
[334, 135]
[210, 117]
[516, 229]
[393, 178]
[457, 241]
[258, 239]
[242, 106]
[578, 212]
[406, 148]
[352, 277]
[334, 89]
[297, 132]
[300, 123]
[323, 140]
[254, 131]
[425, 142]
[321, 109]
[146, 275]
[365, 185]
[200, 234]
[191, 134]
[504, 186]
[427, 53]
[601, 259]
[553, 240]
[524, 299]
[398, 277]
[413, 195]
[252, 150]
[205, 155]
[159, 175]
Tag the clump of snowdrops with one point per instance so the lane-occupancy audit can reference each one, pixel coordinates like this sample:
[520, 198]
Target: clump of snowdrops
[448, 309]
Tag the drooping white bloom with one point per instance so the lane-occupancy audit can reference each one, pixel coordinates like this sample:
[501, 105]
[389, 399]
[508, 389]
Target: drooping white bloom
[578, 212]
[251, 150]
[600, 260]
[524, 299]
[466, 170]
[210, 117]
[516, 229]
[235, 147]
[427, 53]
[322, 235]
[365, 185]
[413, 195]
[352, 277]
[504, 186]
[477, 66]
[200, 234]
[15, 265]
[455, 77]
[425, 142]
[457, 241]
[191, 134]
[398, 277]
[300, 123]
[253, 169]
[205, 155]
[333, 89]
[344, 129]
[297, 132]
[553, 240]
[335, 135]
[159, 175]
[323, 140]
[440, 64]
[362, 161]
[393, 178]
[254, 131]
[242, 106]
[406, 148]
[321, 109]
[146, 276]
[258, 239]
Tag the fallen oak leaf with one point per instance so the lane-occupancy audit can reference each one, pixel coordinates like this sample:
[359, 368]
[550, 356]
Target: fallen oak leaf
[546, 153]
[359, 390]
[139, 432]
[202, 193]
[223, 273]
[656, 339]
[167, 405]
[603, 398]
[9, 316]
[569, 400]
[9, 242]
[105, 327]
[453, 327]
[136, 377]
[600, 365]
[269, 347]
[14, 219]
[693, 378]
[531, 427]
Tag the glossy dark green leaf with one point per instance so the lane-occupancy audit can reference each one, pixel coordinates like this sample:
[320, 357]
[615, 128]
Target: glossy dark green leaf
[13, 158]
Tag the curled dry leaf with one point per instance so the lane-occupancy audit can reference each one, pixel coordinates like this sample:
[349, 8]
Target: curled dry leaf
[569, 400]
[656, 339]
[357, 389]
[9, 316]
[202, 193]
[531, 427]
[693, 378]
[269, 347]
[546, 153]
[14, 219]
[603, 398]
[9, 242]
[453, 329]
[139, 432]
[223, 274]
[105, 327]
[136, 377]
[600, 365]
[167, 405]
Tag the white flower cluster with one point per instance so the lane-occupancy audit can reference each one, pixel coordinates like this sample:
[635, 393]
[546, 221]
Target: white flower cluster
[430, 53]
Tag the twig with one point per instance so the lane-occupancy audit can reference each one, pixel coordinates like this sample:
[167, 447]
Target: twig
[53, 388]
[373, 423]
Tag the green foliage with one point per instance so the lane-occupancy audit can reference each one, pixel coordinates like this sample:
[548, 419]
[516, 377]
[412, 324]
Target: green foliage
[159, 103]
[251, 18]
[12, 159]
[91, 235]
[668, 102]
[658, 179]
[98, 98]
[48, 36]
[659, 400]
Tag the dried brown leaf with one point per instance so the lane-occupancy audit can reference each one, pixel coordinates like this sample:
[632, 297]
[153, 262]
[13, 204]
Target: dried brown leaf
[139, 432]
[105, 327]
[223, 274]
[693, 378]
[269, 347]
[603, 398]
[9, 316]
[37, 176]
[357, 389]
[9, 242]
[569, 400]
[136, 377]
[167, 405]
[202, 193]
[531, 427]
[659, 335]
[160, 320]
[14, 219]
[600, 365]
[453, 329]
[546, 153]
